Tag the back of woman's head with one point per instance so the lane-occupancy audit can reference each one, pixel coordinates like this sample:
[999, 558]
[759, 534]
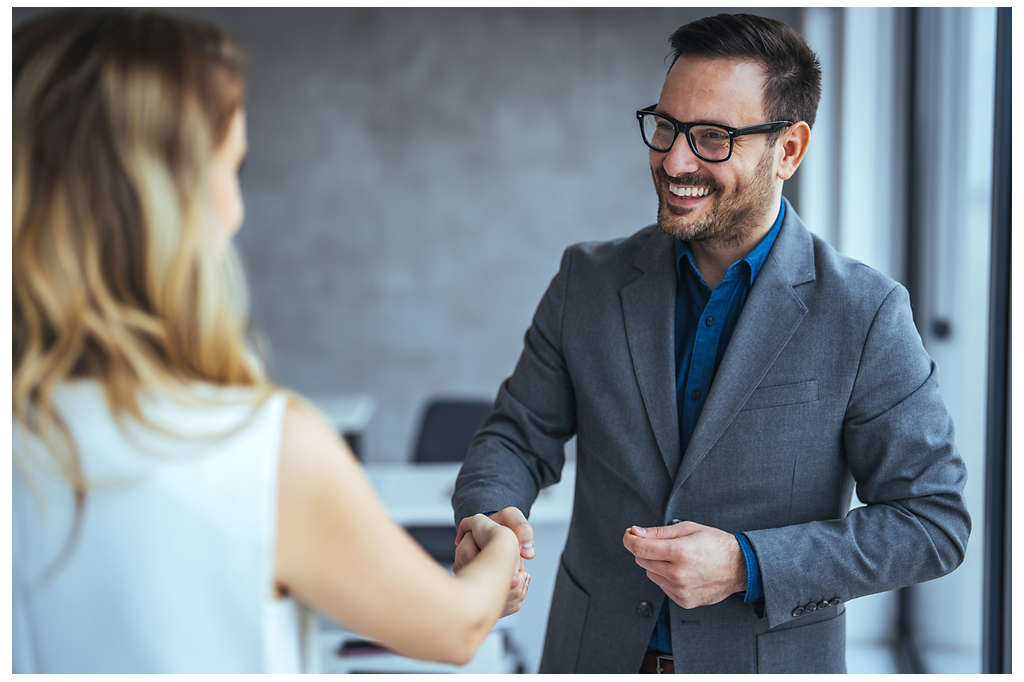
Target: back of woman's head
[119, 274]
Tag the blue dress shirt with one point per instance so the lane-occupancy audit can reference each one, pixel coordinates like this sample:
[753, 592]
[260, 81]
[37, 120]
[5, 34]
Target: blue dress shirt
[705, 319]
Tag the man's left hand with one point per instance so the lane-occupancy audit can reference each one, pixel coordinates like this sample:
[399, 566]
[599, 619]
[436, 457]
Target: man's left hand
[694, 565]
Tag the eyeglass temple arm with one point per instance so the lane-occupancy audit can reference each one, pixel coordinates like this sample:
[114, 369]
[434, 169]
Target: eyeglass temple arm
[761, 128]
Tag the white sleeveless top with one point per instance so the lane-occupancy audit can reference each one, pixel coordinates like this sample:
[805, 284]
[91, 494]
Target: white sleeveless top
[172, 566]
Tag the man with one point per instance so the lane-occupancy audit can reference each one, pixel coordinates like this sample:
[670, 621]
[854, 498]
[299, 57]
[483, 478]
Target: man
[728, 377]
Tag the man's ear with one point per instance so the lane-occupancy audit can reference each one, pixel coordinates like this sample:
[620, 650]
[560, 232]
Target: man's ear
[794, 146]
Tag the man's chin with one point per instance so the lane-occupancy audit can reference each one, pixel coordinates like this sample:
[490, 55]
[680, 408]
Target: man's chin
[676, 231]
[673, 221]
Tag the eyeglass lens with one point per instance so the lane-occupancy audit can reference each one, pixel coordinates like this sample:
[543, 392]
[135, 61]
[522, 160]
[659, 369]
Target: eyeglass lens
[711, 142]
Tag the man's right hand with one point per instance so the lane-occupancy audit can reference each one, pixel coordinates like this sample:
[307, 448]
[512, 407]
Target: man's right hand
[466, 548]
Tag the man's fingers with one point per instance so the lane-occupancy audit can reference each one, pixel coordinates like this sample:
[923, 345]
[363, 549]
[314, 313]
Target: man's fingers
[465, 551]
[676, 530]
[513, 518]
[650, 548]
[509, 516]
[464, 526]
[469, 523]
[663, 568]
[468, 546]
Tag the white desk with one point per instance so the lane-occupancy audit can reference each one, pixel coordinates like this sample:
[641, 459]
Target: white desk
[350, 413]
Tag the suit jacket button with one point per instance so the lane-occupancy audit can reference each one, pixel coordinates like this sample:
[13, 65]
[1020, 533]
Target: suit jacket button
[835, 601]
[824, 604]
[645, 609]
[810, 607]
[798, 611]
[675, 521]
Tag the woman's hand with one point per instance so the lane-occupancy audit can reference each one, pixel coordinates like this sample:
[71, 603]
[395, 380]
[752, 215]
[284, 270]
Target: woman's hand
[482, 529]
[474, 534]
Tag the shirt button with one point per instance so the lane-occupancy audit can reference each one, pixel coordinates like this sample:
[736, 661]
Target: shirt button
[675, 521]
[708, 321]
[645, 609]
[695, 394]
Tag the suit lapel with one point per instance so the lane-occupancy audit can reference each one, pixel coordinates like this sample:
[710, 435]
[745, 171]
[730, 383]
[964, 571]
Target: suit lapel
[770, 316]
[648, 306]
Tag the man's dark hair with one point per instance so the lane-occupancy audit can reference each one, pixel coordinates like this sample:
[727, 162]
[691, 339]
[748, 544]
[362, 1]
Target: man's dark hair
[792, 84]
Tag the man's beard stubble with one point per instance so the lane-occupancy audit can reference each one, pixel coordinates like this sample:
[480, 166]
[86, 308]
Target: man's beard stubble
[731, 220]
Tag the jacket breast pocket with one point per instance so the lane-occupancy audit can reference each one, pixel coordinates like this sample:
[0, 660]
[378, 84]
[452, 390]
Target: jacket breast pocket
[785, 394]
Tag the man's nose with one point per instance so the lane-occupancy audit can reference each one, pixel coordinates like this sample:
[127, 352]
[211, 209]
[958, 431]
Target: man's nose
[680, 159]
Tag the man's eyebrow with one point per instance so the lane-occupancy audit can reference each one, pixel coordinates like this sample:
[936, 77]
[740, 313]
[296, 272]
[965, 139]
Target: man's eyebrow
[702, 120]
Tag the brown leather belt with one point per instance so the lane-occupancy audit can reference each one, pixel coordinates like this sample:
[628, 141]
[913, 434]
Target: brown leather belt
[657, 663]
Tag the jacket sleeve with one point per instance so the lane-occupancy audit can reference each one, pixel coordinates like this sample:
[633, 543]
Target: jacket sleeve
[898, 443]
[520, 447]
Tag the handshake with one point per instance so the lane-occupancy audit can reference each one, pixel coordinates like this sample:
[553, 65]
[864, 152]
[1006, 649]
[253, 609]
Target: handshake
[476, 531]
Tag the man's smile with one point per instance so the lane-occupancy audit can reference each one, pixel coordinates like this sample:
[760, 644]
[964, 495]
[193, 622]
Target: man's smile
[686, 196]
[684, 191]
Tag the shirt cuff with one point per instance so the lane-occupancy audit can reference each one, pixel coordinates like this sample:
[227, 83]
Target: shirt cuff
[755, 591]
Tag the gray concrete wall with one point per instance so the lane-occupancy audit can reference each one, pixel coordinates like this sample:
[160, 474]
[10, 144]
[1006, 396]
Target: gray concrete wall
[414, 176]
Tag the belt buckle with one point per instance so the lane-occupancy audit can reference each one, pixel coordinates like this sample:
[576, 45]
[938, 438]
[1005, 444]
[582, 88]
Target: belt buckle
[658, 658]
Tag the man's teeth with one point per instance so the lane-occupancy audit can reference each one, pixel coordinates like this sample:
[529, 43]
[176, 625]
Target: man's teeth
[680, 191]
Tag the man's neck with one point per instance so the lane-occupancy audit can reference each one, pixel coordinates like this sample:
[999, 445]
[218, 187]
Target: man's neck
[714, 257]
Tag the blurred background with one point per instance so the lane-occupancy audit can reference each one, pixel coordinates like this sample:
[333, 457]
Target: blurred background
[415, 174]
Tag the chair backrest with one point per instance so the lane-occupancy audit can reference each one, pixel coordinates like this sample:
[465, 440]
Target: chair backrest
[447, 428]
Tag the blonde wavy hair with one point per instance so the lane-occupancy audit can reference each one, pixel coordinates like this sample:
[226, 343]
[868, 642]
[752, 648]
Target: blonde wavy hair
[116, 273]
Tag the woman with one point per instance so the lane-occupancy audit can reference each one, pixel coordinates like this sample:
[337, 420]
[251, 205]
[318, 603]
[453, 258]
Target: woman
[169, 500]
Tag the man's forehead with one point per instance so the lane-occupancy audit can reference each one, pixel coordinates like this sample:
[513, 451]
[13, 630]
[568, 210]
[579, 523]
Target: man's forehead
[729, 86]
[722, 64]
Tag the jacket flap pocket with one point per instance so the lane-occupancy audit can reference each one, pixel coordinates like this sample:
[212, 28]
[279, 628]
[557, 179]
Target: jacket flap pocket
[566, 622]
[816, 647]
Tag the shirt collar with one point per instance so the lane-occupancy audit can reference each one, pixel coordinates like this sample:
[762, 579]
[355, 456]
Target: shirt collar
[754, 259]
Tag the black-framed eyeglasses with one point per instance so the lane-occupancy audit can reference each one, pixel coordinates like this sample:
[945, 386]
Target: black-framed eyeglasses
[712, 142]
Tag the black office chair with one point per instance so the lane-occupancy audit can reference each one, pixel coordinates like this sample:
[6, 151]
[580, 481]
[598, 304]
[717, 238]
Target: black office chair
[446, 429]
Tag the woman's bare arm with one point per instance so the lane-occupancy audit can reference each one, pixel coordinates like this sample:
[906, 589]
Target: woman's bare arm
[338, 551]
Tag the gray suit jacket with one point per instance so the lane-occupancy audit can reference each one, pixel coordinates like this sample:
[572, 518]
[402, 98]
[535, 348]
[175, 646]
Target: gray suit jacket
[824, 384]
